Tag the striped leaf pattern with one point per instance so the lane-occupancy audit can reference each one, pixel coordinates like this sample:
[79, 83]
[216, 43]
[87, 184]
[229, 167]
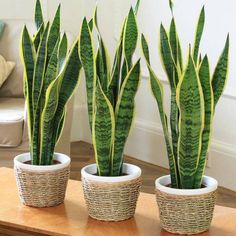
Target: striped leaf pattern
[198, 34]
[130, 38]
[205, 79]
[123, 116]
[220, 74]
[191, 107]
[50, 78]
[103, 131]
[194, 95]
[110, 91]
[54, 32]
[87, 57]
[38, 15]
[158, 93]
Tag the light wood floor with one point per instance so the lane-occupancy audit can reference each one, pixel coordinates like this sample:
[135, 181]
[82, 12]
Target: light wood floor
[82, 154]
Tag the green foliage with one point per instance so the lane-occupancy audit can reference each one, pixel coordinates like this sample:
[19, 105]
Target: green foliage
[50, 78]
[194, 95]
[110, 91]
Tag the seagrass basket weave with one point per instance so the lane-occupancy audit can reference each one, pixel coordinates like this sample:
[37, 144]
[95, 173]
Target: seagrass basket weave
[111, 201]
[185, 214]
[42, 189]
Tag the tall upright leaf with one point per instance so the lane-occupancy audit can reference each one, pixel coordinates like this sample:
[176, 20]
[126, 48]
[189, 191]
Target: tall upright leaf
[157, 90]
[54, 32]
[38, 16]
[220, 74]
[123, 116]
[86, 52]
[130, 37]
[191, 105]
[198, 34]
[62, 53]
[69, 80]
[205, 79]
[103, 131]
[28, 55]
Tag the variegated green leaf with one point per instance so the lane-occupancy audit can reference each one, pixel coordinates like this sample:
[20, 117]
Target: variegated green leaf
[191, 106]
[158, 93]
[136, 7]
[28, 55]
[124, 115]
[103, 131]
[198, 34]
[220, 74]
[69, 80]
[54, 32]
[87, 56]
[52, 68]
[38, 16]
[40, 66]
[38, 37]
[62, 52]
[39, 70]
[167, 57]
[205, 79]
[130, 38]
[46, 126]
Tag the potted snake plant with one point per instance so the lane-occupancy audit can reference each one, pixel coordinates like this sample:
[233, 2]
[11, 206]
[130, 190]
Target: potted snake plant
[111, 187]
[50, 78]
[186, 197]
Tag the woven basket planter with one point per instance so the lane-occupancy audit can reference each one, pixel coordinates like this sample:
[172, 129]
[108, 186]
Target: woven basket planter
[187, 211]
[42, 186]
[111, 198]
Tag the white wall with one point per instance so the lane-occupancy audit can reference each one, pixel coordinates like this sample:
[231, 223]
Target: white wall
[146, 140]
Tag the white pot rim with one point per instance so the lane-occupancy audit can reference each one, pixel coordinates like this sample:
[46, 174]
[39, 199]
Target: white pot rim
[210, 183]
[132, 171]
[62, 158]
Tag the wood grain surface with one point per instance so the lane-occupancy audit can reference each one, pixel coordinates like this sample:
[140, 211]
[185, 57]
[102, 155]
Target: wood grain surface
[71, 218]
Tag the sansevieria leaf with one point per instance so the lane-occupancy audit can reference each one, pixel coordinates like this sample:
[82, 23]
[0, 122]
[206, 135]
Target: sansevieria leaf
[38, 16]
[167, 57]
[220, 74]
[157, 90]
[62, 53]
[46, 125]
[38, 36]
[87, 56]
[205, 79]
[123, 116]
[38, 79]
[69, 79]
[191, 106]
[54, 32]
[103, 131]
[130, 37]
[28, 55]
[198, 35]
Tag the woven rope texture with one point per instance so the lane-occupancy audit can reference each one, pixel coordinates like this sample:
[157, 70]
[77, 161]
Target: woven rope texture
[185, 214]
[42, 189]
[111, 201]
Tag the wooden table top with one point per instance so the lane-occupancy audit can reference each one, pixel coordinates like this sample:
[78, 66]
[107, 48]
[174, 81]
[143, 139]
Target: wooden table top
[71, 218]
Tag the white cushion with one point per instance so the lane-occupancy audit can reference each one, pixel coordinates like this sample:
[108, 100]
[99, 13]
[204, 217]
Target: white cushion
[6, 68]
[11, 121]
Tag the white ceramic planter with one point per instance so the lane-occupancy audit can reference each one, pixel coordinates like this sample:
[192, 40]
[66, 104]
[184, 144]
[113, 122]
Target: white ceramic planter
[42, 186]
[186, 211]
[111, 198]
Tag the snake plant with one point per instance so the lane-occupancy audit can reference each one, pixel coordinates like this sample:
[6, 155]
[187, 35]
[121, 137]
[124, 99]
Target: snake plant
[110, 91]
[194, 95]
[50, 77]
